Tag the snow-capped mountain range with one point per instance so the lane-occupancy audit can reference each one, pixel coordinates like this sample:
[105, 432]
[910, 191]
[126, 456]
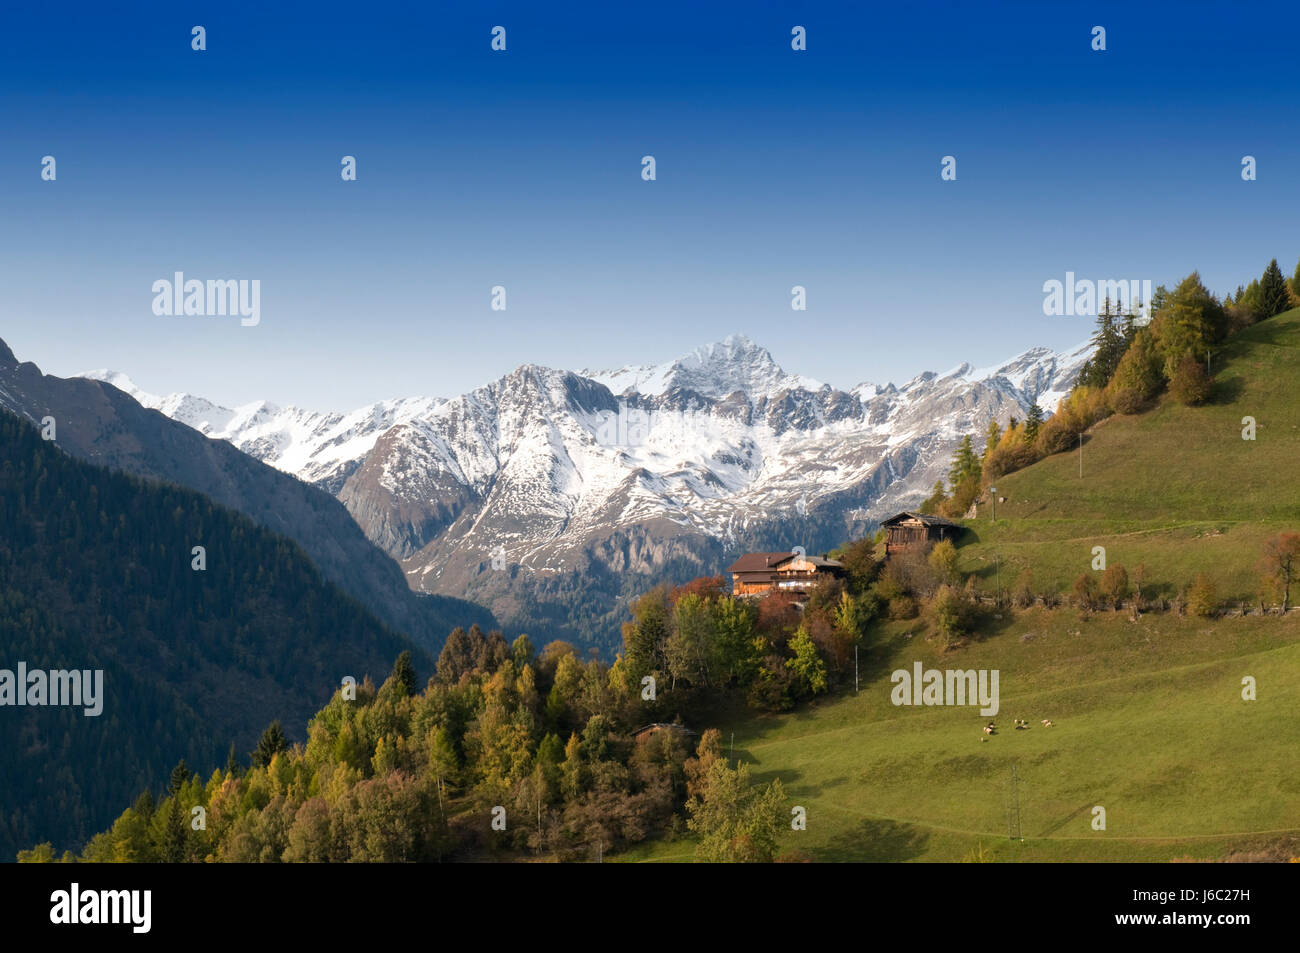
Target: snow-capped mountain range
[554, 484]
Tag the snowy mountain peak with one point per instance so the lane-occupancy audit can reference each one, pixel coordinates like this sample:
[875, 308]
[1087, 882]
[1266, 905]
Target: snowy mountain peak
[715, 370]
[123, 383]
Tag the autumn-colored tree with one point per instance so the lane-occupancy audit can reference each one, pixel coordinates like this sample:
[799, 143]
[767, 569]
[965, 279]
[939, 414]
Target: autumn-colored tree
[1114, 585]
[1191, 385]
[707, 587]
[1086, 590]
[1202, 597]
[1281, 563]
[943, 560]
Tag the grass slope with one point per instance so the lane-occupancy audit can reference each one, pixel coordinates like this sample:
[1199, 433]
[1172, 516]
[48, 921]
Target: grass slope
[1149, 718]
[1149, 723]
[1176, 488]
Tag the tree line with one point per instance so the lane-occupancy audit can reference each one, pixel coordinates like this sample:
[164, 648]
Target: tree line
[1131, 365]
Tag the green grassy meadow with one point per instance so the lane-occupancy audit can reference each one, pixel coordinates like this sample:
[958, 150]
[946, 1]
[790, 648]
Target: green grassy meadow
[1148, 722]
[1149, 719]
[1175, 488]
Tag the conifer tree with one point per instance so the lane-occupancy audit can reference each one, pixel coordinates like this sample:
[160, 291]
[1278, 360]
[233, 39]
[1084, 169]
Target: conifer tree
[271, 743]
[991, 437]
[180, 774]
[1272, 291]
[172, 848]
[233, 768]
[964, 464]
[144, 804]
[1033, 420]
[404, 674]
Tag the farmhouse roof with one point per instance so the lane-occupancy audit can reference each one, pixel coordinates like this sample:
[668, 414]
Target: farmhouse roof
[758, 562]
[924, 518]
[817, 562]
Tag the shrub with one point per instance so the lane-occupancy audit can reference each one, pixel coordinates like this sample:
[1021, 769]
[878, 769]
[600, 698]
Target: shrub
[953, 614]
[943, 560]
[1085, 590]
[902, 607]
[1191, 384]
[1202, 597]
[1127, 400]
[1024, 589]
[1008, 458]
[1114, 585]
[773, 689]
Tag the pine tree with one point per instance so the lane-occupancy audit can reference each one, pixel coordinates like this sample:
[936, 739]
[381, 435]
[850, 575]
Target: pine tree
[1033, 420]
[1272, 291]
[991, 437]
[144, 804]
[271, 743]
[172, 848]
[936, 498]
[964, 464]
[1109, 343]
[180, 774]
[404, 674]
[233, 768]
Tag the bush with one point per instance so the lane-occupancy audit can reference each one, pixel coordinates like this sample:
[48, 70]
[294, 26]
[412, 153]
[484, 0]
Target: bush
[1191, 385]
[1024, 589]
[1083, 408]
[902, 607]
[943, 560]
[1202, 597]
[953, 613]
[1128, 400]
[1008, 458]
[774, 688]
[1086, 590]
[1114, 585]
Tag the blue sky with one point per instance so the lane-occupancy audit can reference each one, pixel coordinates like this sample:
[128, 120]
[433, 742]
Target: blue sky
[522, 169]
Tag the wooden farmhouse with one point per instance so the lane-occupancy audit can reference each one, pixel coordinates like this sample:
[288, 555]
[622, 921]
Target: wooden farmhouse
[916, 530]
[756, 574]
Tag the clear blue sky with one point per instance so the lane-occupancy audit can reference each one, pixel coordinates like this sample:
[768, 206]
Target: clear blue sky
[522, 169]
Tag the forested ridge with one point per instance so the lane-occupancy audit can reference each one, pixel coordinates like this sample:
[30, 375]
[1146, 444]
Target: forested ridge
[96, 572]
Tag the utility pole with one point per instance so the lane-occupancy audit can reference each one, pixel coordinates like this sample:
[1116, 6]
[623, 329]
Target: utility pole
[733, 746]
[993, 498]
[1081, 456]
[855, 669]
[1013, 806]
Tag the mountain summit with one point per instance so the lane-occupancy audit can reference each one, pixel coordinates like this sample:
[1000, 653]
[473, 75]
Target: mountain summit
[715, 370]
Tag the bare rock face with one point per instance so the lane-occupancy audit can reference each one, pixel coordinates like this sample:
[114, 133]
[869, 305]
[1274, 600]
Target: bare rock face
[554, 497]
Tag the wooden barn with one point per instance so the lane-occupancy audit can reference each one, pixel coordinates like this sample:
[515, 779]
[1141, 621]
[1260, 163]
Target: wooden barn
[912, 530]
[760, 573]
